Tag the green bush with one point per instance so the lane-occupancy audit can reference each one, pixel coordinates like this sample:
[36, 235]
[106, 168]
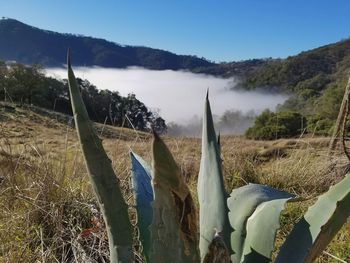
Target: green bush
[269, 125]
[319, 126]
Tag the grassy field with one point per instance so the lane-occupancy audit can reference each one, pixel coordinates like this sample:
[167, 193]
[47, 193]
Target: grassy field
[48, 210]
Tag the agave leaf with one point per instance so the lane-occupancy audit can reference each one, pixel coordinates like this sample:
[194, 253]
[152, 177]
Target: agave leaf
[213, 211]
[261, 230]
[316, 229]
[103, 179]
[254, 215]
[173, 229]
[143, 192]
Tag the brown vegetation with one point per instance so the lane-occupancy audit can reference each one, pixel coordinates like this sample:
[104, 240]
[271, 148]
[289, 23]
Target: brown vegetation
[49, 213]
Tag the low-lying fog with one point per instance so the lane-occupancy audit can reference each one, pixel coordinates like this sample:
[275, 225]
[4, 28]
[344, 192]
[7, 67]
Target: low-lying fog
[179, 95]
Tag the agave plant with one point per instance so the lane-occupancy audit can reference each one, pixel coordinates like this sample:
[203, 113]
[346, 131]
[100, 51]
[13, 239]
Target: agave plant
[237, 227]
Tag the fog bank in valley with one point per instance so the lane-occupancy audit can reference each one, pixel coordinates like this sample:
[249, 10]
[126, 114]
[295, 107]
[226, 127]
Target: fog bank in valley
[179, 95]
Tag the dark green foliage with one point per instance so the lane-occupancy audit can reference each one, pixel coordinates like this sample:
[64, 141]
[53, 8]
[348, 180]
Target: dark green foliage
[269, 125]
[25, 84]
[159, 125]
[312, 86]
[31, 45]
[319, 126]
[28, 84]
[328, 104]
[240, 68]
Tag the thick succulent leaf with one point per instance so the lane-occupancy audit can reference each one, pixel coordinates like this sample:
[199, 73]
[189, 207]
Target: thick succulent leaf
[143, 192]
[103, 179]
[213, 211]
[316, 229]
[173, 229]
[244, 204]
[261, 229]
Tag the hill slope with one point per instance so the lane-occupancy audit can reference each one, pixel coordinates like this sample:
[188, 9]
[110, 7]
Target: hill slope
[30, 45]
[316, 80]
[290, 72]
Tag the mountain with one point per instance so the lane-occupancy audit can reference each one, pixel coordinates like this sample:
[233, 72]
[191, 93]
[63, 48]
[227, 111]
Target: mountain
[30, 45]
[290, 73]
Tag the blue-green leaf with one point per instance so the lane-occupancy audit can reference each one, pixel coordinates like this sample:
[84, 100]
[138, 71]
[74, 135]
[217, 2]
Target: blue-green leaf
[254, 216]
[213, 211]
[103, 179]
[318, 226]
[143, 192]
[261, 229]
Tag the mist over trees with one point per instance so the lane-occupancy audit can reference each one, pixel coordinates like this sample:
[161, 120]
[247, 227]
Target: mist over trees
[231, 122]
[22, 84]
[314, 80]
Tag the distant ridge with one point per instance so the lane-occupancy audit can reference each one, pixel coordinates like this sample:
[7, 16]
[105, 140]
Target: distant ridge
[30, 45]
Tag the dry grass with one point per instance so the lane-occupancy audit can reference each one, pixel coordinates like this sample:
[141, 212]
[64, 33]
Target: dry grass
[47, 202]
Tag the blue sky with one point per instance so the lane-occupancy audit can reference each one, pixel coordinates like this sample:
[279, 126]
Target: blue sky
[219, 30]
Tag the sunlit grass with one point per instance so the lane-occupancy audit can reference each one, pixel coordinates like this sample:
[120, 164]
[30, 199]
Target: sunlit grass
[47, 202]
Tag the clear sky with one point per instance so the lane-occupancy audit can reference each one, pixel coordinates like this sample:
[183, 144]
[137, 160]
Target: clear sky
[219, 30]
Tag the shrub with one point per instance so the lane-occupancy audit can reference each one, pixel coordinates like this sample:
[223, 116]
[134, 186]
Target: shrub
[269, 125]
[318, 125]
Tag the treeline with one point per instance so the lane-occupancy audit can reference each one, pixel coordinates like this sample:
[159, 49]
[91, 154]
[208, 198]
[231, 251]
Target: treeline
[28, 85]
[285, 124]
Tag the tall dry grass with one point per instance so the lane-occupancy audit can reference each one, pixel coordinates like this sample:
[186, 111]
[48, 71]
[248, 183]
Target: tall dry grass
[49, 213]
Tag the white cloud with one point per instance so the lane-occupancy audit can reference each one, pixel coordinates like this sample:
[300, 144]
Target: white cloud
[179, 95]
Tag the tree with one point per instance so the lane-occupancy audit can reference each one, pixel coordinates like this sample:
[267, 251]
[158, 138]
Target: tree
[269, 125]
[137, 112]
[28, 84]
[3, 79]
[25, 83]
[159, 126]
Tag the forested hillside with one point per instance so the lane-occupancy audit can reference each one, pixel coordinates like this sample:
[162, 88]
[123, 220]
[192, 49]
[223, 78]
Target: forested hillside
[30, 45]
[310, 75]
[316, 81]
